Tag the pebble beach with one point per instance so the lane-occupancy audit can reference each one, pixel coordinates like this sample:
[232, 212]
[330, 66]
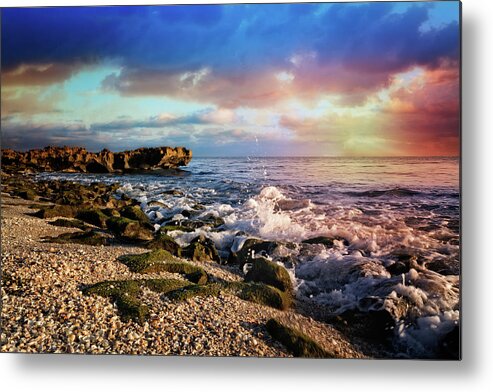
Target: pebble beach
[45, 311]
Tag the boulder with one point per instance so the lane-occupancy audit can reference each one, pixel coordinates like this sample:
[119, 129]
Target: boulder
[251, 248]
[129, 229]
[165, 242]
[135, 213]
[57, 210]
[93, 216]
[202, 248]
[270, 273]
[299, 344]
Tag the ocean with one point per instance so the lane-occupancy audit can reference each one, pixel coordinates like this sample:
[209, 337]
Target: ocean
[396, 222]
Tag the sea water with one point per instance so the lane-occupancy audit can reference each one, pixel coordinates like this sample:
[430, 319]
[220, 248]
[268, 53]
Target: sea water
[378, 209]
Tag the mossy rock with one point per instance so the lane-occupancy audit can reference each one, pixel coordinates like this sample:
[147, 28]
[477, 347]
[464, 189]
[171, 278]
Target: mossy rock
[296, 342]
[93, 216]
[168, 228]
[129, 229]
[160, 260]
[123, 293]
[262, 294]
[165, 286]
[135, 213]
[57, 210]
[26, 194]
[201, 249]
[191, 272]
[196, 290]
[147, 262]
[252, 248]
[164, 241]
[91, 237]
[270, 273]
[110, 211]
[61, 222]
[111, 288]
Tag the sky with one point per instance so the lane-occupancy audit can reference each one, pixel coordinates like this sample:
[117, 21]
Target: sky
[313, 79]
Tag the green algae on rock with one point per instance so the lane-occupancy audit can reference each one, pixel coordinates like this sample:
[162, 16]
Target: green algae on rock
[299, 344]
[270, 273]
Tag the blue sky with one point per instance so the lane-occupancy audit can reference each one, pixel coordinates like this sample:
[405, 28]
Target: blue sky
[288, 79]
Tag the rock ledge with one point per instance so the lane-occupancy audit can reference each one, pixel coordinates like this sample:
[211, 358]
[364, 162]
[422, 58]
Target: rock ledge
[79, 160]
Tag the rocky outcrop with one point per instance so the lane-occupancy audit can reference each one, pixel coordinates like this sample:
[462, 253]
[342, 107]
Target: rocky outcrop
[79, 160]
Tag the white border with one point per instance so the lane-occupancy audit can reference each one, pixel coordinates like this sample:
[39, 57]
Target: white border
[125, 373]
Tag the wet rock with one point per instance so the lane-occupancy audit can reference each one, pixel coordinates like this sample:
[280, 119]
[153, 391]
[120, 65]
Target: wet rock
[270, 273]
[251, 248]
[201, 248]
[164, 241]
[327, 241]
[377, 325]
[93, 216]
[135, 213]
[260, 293]
[398, 268]
[444, 266]
[449, 347]
[129, 229]
[159, 204]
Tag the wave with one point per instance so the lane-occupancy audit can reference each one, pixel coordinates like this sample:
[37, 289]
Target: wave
[394, 192]
[403, 259]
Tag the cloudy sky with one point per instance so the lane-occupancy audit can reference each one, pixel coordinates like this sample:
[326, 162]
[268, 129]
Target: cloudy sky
[362, 79]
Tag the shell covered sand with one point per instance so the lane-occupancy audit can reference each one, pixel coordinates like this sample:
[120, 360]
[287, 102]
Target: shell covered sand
[44, 309]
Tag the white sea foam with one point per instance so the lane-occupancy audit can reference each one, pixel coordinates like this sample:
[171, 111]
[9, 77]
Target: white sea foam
[377, 225]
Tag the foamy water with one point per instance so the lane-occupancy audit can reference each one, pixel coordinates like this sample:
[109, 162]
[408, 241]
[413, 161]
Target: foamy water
[380, 210]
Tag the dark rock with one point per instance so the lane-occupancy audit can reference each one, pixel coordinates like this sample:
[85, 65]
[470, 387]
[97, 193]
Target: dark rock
[27, 194]
[110, 212]
[398, 268]
[129, 229]
[270, 273]
[296, 342]
[251, 248]
[70, 223]
[77, 159]
[201, 248]
[186, 213]
[443, 267]
[93, 216]
[57, 210]
[377, 325]
[164, 241]
[327, 241]
[260, 293]
[135, 213]
[449, 347]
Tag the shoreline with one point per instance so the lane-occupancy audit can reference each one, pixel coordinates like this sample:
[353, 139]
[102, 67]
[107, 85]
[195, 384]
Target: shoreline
[45, 310]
